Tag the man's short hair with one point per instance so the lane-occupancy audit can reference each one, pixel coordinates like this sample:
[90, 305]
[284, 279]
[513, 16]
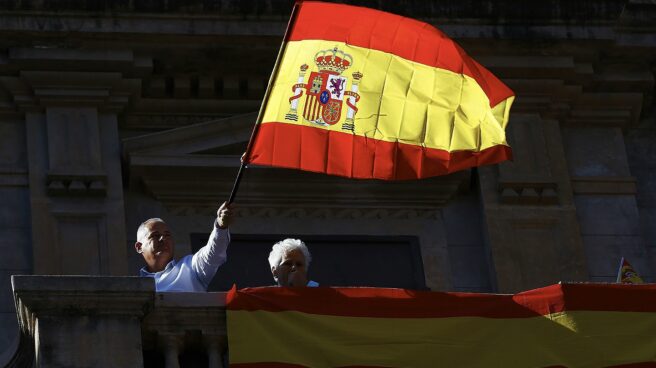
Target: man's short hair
[142, 231]
[287, 245]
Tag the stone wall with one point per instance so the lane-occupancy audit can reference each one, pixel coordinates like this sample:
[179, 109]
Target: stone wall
[15, 224]
[115, 111]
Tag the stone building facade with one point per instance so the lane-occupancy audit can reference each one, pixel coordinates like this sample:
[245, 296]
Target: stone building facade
[115, 111]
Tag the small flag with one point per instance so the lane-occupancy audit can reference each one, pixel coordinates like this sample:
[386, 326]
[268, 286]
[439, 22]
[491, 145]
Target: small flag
[627, 274]
[362, 93]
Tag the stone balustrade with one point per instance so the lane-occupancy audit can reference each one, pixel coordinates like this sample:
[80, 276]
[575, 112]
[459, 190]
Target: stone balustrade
[92, 321]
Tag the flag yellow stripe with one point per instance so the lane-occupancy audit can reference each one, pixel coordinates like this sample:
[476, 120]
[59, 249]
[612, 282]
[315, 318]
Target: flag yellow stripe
[400, 100]
[573, 339]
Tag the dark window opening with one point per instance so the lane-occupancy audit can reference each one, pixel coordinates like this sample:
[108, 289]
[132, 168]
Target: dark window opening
[336, 261]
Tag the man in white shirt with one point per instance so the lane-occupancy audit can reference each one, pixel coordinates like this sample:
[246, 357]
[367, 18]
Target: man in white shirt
[192, 272]
[290, 260]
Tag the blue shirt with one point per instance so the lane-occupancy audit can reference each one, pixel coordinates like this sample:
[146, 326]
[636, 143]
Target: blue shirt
[193, 272]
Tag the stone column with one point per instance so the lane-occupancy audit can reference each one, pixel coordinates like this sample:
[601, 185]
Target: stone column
[605, 195]
[15, 220]
[73, 158]
[81, 321]
[532, 228]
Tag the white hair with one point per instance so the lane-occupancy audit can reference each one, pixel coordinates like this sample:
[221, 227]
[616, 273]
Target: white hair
[288, 245]
[142, 230]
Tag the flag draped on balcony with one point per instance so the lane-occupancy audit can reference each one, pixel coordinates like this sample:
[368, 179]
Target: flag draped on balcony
[570, 325]
[363, 93]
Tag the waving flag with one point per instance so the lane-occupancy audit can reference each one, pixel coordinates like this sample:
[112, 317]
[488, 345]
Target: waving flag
[568, 325]
[363, 93]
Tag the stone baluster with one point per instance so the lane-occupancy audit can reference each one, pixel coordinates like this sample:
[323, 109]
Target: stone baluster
[172, 344]
[214, 346]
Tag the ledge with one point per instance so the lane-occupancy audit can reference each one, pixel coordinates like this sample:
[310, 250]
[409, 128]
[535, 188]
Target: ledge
[120, 320]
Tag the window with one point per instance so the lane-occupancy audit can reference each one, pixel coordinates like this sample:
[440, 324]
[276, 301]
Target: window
[337, 260]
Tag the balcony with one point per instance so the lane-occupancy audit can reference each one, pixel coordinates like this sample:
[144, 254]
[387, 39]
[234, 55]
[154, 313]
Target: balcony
[86, 321]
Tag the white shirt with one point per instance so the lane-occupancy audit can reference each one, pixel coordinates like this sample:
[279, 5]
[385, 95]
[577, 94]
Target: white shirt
[193, 272]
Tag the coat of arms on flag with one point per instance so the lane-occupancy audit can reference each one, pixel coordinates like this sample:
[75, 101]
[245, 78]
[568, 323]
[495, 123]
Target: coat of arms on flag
[325, 90]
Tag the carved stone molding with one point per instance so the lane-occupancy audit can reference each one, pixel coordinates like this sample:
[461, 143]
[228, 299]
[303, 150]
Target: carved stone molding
[320, 213]
[544, 193]
[604, 185]
[77, 185]
[167, 121]
[169, 166]
[13, 177]
[39, 77]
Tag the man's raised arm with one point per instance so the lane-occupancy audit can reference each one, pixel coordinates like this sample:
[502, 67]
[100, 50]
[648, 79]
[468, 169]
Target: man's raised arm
[207, 260]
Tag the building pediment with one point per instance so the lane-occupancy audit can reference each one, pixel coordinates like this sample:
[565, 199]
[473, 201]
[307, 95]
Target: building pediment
[192, 168]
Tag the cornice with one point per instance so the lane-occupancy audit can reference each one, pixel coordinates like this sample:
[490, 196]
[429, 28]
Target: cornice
[315, 213]
[36, 90]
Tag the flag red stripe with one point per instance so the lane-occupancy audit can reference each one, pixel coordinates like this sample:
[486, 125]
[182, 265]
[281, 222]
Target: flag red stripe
[350, 155]
[408, 38]
[289, 365]
[265, 365]
[400, 303]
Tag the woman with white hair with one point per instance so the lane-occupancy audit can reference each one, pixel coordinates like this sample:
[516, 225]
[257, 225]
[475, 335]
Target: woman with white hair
[289, 260]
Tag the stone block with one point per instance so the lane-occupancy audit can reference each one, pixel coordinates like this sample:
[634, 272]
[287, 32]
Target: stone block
[117, 338]
[604, 253]
[206, 87]
[182, 87]
[256, 86]
[13, 145]
[73, 140]
[157, 87]
[469, 269]
[646, 175]
[230, 87]
[462, 221]
[607, 215]
[82, 237]
[648, 224]
[15, 209]
[595, 152]
[9, 336]
[530, 252]
[16, 248]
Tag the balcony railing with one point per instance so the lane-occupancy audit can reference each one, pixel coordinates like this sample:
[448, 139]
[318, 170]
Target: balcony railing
[86, 321]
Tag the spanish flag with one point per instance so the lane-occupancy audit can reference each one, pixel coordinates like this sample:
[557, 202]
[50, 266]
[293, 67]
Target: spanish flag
[627, 274]
[362, 93]
[564, 325]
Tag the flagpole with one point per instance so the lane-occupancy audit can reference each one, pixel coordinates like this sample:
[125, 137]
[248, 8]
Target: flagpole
[274, 73]
[619, 272]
